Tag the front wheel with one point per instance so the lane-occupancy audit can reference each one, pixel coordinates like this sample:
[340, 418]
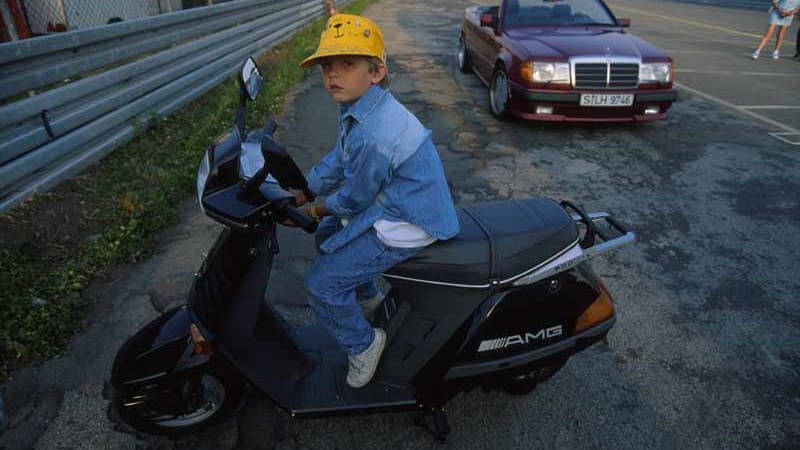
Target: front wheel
[188, 402]
[499, 94]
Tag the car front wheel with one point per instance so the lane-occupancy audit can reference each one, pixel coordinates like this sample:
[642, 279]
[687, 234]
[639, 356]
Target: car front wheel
[462, 57]
[499, 94]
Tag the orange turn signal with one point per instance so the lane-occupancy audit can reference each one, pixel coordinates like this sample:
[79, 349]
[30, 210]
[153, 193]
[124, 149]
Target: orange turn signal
[201, 345]
[526, 71]
[671, 73]
[600, 310]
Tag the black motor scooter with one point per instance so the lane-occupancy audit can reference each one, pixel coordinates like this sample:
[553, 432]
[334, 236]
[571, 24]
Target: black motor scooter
[503, 304]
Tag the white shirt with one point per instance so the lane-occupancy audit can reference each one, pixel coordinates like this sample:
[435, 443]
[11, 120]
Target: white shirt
[400, 234]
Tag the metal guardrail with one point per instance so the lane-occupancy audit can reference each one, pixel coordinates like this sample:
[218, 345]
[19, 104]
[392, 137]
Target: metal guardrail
[89, 91]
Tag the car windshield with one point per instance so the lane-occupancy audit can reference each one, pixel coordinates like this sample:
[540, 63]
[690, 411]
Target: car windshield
[556, 12]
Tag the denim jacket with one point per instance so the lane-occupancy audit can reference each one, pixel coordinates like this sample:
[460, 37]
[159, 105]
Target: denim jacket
[384, 166]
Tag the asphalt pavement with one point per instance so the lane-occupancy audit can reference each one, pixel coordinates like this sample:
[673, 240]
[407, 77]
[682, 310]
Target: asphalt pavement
[712, 48]
[706, 349]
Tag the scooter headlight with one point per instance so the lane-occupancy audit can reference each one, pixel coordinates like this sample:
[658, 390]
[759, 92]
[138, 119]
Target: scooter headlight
[202, 176]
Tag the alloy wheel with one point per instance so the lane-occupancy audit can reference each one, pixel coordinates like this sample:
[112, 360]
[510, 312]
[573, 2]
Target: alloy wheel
[462, 55]
[498, 94]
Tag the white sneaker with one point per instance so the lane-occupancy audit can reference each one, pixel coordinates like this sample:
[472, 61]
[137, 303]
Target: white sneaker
[363, 365]
[755, 54]
[776, 54]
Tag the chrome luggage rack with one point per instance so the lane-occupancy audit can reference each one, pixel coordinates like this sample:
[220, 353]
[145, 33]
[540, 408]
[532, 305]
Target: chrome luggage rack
[596, 227]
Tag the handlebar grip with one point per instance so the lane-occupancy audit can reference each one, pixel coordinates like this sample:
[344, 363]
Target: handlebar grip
[300, 218]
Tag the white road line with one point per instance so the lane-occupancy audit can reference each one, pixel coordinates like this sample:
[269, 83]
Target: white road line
[769, 107]
[731, 72]
[677, 50]
[730, 105]
[771, 74]
[785, 137]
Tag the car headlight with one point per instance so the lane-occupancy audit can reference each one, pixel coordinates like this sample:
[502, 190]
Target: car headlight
[655, 73]
[545, 72]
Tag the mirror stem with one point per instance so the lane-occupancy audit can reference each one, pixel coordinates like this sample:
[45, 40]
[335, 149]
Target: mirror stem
[240, 113]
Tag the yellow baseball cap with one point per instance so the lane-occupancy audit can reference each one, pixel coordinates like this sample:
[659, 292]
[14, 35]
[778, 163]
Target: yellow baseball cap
[348, 34]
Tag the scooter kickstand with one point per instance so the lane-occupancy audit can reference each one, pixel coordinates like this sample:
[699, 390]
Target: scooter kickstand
[440, 429]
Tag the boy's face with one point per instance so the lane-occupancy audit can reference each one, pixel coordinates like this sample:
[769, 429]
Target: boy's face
[347, 78]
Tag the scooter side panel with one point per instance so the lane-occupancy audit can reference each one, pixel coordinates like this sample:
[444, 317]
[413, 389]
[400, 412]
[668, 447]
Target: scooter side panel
[529, 317]
[436, 312]
[525, 327]
[228, 298]
[220, 277]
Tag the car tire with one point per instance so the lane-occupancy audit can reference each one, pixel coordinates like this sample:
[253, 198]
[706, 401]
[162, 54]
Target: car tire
[499, 94]
[462, 57]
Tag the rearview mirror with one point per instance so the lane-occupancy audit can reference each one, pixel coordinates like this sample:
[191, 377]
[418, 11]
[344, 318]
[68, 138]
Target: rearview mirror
[624, 22]
[489, 20]
[250, 78]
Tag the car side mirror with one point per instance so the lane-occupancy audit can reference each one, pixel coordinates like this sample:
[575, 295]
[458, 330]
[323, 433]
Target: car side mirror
[250, 78]
[489, 20]
[624, 22]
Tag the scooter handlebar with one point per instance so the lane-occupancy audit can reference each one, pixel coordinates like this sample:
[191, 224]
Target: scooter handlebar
[301, 219]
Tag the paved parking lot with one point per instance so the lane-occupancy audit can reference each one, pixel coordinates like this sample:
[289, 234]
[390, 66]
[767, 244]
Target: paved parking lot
[705, 350]
[712, 48]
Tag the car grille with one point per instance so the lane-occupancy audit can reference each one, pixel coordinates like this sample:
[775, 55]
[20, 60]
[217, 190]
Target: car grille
[597, 76]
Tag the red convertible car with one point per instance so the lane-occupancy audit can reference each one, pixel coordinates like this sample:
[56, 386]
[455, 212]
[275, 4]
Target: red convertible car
[564, 60]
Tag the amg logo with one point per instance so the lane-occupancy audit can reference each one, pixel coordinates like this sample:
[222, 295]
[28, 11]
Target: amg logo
[497, 344]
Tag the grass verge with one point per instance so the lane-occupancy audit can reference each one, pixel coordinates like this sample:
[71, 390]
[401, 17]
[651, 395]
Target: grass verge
[54, 245]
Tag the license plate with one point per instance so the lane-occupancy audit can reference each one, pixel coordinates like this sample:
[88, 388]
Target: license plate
[606, 99]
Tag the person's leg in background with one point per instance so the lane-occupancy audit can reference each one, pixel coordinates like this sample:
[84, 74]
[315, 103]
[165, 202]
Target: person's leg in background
[764, 40]
[779, 41]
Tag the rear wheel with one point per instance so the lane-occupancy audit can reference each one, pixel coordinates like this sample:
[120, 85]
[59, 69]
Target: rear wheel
[462, 57]
[524, 384]
[499, 94]
[187, 403]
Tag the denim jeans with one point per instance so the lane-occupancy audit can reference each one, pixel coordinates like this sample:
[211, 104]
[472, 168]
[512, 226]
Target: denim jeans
[336, 280]
[326, 229]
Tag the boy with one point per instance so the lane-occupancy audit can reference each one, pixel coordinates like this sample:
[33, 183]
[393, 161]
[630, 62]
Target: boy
[387, 196]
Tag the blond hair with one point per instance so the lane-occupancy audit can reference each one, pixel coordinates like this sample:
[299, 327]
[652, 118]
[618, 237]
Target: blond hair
[374, 63]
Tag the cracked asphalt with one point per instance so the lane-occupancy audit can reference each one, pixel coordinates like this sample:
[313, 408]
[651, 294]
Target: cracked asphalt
[706, 350]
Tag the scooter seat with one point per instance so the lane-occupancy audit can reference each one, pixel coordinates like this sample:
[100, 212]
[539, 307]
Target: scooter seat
[497, 242]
